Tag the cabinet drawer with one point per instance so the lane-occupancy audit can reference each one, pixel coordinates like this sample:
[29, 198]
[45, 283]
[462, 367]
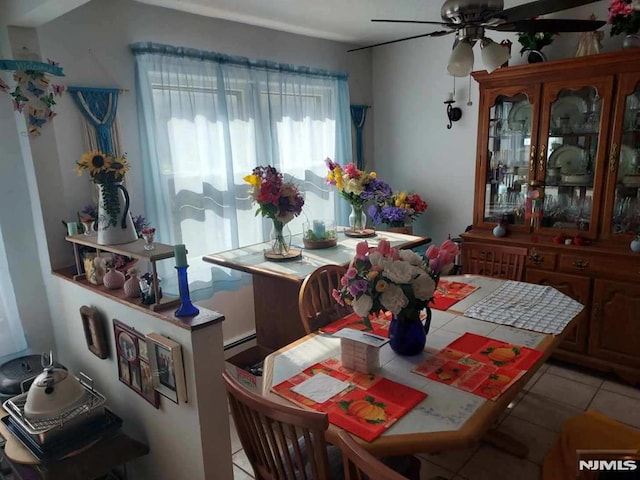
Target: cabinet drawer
[541, 260]
[618, 268]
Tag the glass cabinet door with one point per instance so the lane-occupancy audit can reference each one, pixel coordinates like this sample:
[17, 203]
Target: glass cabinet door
[572, 150]
[624, 181]
[511, 124]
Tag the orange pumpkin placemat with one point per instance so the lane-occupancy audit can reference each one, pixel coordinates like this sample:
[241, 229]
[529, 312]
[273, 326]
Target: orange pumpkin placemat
[367, 408]
[449, 293]
[379, 324]
[479, 365]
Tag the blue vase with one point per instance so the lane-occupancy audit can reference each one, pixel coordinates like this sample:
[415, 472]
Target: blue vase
[408, 335]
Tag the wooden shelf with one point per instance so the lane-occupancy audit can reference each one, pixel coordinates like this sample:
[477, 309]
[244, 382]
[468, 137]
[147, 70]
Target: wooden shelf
[133, 250]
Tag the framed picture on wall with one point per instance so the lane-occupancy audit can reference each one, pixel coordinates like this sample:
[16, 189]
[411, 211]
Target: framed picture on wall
[167, 368]
[94, 331]
[133, 362]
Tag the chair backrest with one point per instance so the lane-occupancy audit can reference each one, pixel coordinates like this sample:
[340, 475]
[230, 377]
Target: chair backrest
[494, 260]
[360, 464]
[280, 441]
[316, 304]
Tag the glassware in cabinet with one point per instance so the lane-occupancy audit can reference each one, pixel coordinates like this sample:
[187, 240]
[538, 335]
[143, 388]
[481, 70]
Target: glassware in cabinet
[510, 127]
[572, 155]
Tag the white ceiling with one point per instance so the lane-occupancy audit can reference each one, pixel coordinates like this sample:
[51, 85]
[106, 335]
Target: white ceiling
[340, 20]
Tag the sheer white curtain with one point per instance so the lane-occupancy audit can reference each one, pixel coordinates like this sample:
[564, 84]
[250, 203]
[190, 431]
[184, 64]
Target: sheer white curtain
[208, 119]
[11, 335]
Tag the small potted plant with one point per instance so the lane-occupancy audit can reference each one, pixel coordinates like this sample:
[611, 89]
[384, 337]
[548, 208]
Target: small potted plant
[534, 42]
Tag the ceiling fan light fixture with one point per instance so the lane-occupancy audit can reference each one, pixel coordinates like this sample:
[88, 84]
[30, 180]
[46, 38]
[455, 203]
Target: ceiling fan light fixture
[493, 54]
[461, 59]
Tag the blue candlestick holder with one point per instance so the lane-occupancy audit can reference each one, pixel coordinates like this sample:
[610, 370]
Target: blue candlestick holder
[186, 309]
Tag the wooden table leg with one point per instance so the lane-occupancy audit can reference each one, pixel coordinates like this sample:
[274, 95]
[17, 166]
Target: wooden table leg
[506, 443]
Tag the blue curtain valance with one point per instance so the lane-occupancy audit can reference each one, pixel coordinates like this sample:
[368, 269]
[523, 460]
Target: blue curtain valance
[187, 52]
[98, 106]
[359, 116]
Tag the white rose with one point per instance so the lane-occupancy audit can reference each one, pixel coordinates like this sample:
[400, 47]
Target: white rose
[394, 299]
[353, 186]
[399, 271]
[362, 306]
[410, 256]
[423, 287]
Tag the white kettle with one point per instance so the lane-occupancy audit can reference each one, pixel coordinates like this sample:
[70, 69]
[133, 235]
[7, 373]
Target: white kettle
[53, 392]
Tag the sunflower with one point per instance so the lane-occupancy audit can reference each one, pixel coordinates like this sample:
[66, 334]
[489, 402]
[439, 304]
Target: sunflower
[119, 166]
[95, 162]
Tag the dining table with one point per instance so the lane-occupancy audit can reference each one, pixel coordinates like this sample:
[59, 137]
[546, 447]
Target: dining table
[448, 418]
[276, 284]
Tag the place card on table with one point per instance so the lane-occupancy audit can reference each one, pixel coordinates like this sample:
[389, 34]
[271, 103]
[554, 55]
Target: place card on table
[360, 350]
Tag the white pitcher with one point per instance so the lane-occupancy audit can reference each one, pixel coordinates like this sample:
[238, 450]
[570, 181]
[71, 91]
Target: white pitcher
[113, 230]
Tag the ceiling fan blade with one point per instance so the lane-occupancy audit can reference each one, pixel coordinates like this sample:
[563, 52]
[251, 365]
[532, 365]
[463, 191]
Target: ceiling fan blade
[549, 25]
[444, 24]
[438, 33]
[533, 9]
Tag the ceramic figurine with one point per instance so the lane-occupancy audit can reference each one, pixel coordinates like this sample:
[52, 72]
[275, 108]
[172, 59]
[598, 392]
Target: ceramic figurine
[113, 279]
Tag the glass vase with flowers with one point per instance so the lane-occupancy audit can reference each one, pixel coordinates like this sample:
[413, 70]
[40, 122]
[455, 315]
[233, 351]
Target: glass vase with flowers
[624, 17]
[398, 211]
[399, 281]
[278, 200]
[357, 187]
[115, 224]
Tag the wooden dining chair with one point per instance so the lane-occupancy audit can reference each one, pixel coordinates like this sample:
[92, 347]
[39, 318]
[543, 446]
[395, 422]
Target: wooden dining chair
[360, 464]
[316, 304]
[280, 441]
[496, 261]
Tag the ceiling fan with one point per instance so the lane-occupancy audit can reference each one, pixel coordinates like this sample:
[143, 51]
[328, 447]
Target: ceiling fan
[470, 18]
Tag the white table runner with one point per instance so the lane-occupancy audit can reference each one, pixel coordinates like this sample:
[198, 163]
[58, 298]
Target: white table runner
[524, 305]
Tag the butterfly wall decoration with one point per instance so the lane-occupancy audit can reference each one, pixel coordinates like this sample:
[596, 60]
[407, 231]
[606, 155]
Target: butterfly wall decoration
[34, 88]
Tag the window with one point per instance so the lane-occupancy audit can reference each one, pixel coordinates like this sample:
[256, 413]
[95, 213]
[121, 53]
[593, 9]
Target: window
[12, 337]
[208, 119]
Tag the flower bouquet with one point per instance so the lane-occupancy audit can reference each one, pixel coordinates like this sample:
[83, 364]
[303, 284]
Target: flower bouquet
[108, 172]
[399, 281]
[623, 17]
[278, 200]
[357, 187]
[398, 210]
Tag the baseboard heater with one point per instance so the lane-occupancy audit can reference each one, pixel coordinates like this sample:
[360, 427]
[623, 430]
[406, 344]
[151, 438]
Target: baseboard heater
[239, 341]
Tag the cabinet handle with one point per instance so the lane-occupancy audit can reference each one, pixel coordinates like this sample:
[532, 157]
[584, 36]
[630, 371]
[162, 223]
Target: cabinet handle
[536, 259]
[581, 264]
[532, 159]
[613, 157]
[541, 158]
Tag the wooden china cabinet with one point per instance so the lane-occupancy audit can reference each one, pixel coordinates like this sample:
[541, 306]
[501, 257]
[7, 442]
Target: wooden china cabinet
[558, 159]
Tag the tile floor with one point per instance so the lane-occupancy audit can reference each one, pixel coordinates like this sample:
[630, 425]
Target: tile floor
[554, 394]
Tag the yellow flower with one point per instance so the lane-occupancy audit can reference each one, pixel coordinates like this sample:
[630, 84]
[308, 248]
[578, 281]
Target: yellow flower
[373, 175]
[95, 162]
[401, 199]
[371, 275]
[337, 173]
[381, 286]
[253, 180]
[119, 166]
